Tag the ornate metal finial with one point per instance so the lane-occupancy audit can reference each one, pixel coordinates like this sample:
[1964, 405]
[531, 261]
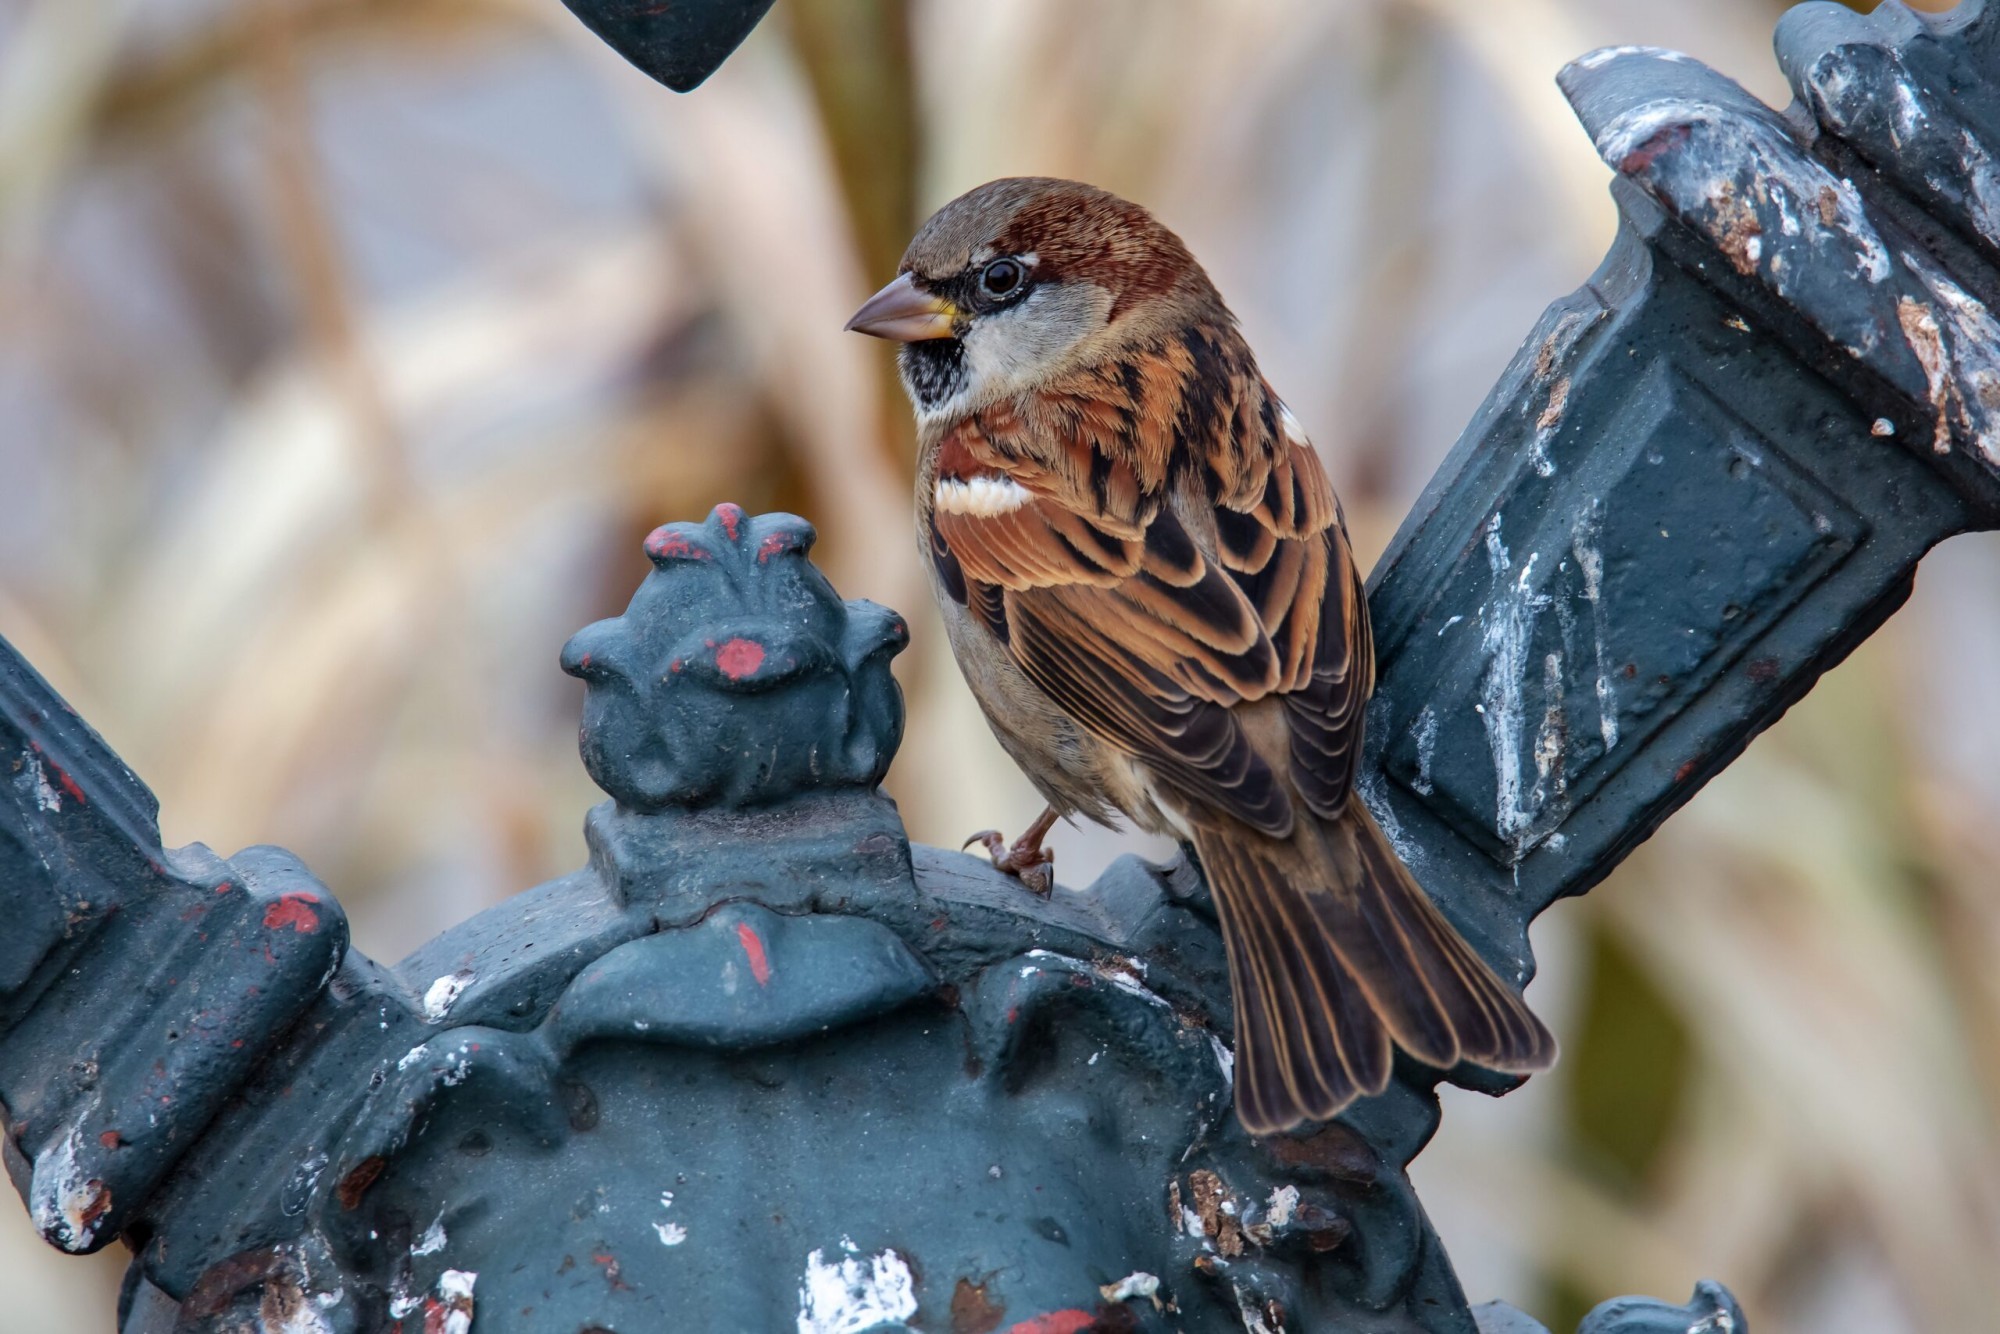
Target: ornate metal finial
[737, 677]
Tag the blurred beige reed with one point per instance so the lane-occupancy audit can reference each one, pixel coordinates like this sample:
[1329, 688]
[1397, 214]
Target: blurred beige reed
[349, 348]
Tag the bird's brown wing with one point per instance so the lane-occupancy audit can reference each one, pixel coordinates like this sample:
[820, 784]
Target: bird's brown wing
[1156, 550]
[1175, 552]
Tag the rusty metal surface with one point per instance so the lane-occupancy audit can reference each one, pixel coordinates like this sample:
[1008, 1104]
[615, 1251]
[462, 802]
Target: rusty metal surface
[761, 1064]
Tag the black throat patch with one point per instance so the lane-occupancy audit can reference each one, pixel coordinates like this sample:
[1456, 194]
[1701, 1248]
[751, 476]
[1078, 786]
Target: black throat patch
[933, 370]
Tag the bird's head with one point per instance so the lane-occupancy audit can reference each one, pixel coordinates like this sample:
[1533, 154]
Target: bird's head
[1020, 280]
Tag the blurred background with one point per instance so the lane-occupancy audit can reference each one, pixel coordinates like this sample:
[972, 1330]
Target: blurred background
[349, 348]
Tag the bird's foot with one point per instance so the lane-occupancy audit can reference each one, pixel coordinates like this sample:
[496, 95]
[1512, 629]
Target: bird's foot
[1025, 858]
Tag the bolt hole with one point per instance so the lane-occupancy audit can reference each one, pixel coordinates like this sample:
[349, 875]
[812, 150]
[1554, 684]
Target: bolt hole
[1739, 467]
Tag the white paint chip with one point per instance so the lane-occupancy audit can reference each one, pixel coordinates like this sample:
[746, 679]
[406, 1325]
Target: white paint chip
[671, 1234]
[46, 797]
[855, 1294]
[1136, 1284]
[454, 1288]
[433, 1239]
[65, 1203]
[444, 993]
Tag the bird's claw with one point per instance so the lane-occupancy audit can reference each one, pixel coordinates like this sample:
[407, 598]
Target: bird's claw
[1026, 860]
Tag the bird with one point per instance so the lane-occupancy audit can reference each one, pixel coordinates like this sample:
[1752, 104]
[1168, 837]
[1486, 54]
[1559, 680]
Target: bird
[1146, 580]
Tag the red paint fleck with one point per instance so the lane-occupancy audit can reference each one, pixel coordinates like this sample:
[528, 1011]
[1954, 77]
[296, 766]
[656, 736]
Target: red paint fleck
[760, 963]
[675, 665]
[224, 887]
[100, 1202]
[1055, 1322]
[731, 516]
[739, 658]
[434, 1313]
[356, 1183]
[295, 911]
[940, 923]
[110, 1139]
[1013, 1013]
[584, 661]
[1645, 154]
[62, 777]
[1681, 774]
[611, 1274]
[771, 546]
[665, 544]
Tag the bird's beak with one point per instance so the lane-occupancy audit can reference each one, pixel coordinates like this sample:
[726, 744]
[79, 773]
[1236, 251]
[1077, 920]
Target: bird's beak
[904, 312]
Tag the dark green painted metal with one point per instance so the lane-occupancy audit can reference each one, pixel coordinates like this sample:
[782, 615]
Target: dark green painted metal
[678, 42]
[761, 1064]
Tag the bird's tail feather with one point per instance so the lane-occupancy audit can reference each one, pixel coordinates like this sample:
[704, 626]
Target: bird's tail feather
[1336, 955]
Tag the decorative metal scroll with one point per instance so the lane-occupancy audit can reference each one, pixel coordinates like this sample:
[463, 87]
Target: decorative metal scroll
[761, 1064]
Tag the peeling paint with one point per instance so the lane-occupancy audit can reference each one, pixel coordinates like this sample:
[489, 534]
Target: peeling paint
[753, 950]
[671, 1234]
[1605, 55]
[444, 993]
[1546, 427]
[64, 1200]
[1921, 332]
[47, 799]
[1584, 545]
[295, 911]
[433, 1239]
[452, 1313]
[1254, 1314]
[1216, 1212]
[284, 1311]
[1982, 178]
[1225, 1061]
[1425, 733]
[1963, 369]
[1551, 738]
[855, 1293]
[1370, 786]
[1763, 166]
[1072, 1321]
[1284, 1202]
[1510, 616]
[1136, 1284]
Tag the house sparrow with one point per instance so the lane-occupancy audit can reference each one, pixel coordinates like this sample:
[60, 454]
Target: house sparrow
[1147, 582]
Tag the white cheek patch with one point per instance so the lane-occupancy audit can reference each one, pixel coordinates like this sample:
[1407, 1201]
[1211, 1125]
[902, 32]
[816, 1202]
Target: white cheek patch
[981, 497]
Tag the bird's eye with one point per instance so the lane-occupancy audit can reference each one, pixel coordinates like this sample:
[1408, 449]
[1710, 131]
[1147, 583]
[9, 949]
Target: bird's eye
[1000, 277]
